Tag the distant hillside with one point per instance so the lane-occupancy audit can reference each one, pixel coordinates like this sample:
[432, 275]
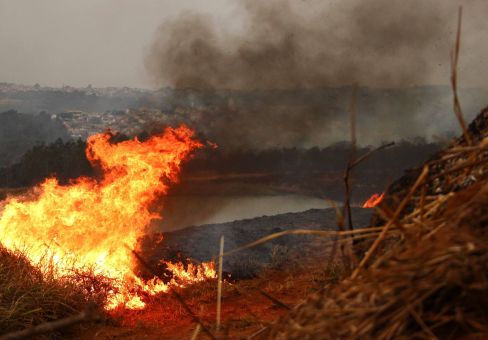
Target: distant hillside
[19, 132]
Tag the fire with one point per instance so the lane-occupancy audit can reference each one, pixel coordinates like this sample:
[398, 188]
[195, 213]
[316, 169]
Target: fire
[373, 201]
[95, 223]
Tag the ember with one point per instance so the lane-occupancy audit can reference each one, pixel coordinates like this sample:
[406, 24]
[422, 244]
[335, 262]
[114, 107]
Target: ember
[94, 224]
[373, 201]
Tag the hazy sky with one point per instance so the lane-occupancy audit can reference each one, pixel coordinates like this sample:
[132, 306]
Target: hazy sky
[103, 42]
[99, 42]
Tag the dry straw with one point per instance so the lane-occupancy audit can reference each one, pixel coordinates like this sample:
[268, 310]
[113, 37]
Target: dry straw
[426, 274]
[219, 282]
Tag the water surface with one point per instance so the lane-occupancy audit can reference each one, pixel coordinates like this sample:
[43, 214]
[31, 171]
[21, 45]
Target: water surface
[183, 211]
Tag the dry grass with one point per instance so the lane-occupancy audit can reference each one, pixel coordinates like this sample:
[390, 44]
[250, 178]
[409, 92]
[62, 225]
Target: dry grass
[29, 296]
[425, 274]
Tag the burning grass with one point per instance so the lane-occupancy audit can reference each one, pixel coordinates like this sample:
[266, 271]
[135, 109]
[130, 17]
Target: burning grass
[96, 223]
[66, 245]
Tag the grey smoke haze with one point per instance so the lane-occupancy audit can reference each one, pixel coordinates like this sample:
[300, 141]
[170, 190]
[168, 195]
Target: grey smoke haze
[283, 45]
[315, 44]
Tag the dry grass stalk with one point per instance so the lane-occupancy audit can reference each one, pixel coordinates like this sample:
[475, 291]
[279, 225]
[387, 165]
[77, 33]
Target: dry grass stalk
[258, 333]
[314, 232]
[351, 164]
[352, 156]
[274, 300]
[340, 225]
[196, 332]
[454, 64]
[219, 282]
[392, 221]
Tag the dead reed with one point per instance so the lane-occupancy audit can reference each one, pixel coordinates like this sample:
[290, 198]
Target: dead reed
[433, 282]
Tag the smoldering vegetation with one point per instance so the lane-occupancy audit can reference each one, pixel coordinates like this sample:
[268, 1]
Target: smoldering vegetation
[284, 70]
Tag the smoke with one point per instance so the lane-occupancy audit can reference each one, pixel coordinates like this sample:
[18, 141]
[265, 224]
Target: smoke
[376, 42]
[311, 45]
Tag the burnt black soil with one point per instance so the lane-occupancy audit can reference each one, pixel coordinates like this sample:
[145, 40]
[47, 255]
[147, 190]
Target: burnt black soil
[201, 243]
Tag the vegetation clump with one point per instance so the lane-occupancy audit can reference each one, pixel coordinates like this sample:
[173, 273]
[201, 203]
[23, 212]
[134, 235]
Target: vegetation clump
[30, 296]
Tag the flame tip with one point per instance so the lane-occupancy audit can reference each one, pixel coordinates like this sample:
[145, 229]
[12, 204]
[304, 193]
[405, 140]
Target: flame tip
[373, 200]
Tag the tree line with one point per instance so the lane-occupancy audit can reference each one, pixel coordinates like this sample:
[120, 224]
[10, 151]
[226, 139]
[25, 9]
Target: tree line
[66, 160]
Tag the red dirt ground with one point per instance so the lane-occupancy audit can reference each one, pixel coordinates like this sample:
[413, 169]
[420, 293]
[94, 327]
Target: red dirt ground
[245, 310]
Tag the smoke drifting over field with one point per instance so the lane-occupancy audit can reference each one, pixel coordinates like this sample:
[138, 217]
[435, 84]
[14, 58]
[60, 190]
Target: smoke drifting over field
[311, 44]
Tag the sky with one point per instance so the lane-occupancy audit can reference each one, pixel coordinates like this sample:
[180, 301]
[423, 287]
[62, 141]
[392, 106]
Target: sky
[98, 42]
[104, 42]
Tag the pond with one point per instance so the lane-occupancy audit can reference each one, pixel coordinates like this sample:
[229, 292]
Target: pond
[183, 211]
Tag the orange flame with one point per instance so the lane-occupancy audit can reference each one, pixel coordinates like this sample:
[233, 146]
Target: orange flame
[373, 201]
[94, 224]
